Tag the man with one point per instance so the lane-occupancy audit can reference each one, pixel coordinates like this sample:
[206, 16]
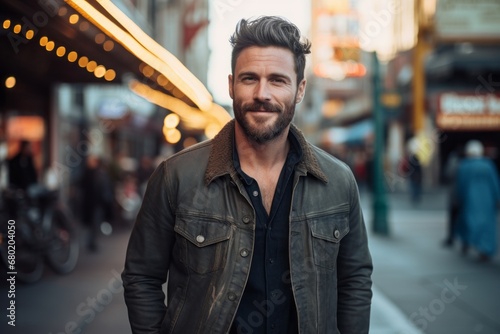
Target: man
[258, 231]
[478, 191]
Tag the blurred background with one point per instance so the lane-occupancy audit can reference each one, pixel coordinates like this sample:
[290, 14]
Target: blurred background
[94, 94]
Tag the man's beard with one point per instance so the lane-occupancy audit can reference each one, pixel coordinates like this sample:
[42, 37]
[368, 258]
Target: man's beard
[263, 134]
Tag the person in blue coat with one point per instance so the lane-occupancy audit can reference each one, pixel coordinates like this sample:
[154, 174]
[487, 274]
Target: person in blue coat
[478, 188]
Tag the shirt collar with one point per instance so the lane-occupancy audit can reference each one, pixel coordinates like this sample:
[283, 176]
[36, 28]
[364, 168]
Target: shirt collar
[220, 157]
[294, 156]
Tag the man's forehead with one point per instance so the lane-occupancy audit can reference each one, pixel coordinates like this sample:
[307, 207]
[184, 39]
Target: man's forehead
[267, 56]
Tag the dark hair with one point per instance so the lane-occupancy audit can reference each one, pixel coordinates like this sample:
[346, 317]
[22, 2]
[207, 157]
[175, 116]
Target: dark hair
[270, 31]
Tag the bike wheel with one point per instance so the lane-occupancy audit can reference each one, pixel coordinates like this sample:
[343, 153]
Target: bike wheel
[64, 248]
[28, 264]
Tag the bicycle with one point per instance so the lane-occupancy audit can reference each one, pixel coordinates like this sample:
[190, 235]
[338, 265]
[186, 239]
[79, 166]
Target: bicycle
[35, 231]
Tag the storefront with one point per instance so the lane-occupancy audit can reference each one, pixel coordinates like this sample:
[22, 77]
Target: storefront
[463, 92]
[44, 44]
[465, 116]
[81, 77]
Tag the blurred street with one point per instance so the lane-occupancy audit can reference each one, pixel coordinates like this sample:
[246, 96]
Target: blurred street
[434, 287]
[90, 298]
[95, 94]
[420, 286]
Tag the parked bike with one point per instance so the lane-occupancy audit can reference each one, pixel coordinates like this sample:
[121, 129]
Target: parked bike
[35, 230]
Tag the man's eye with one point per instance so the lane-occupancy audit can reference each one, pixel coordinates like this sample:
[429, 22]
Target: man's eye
[248, 79]
[278, 80]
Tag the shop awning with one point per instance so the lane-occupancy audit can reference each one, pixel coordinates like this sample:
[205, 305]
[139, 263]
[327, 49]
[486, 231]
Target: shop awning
[462, 57]
[356, 134]
[52, 41]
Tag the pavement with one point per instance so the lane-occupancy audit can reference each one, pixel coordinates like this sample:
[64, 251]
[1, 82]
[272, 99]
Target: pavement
[419, 286]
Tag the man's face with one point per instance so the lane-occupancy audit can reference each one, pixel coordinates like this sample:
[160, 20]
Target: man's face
[264, 91]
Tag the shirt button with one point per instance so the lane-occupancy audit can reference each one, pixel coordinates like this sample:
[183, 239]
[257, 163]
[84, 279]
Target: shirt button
[244, 252]
[246, 219]
[231, 296]
[255, 193]
[336, 234]
[271, 261]
[200, 239]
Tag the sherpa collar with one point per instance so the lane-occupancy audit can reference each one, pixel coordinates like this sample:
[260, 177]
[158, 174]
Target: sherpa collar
[220, 159]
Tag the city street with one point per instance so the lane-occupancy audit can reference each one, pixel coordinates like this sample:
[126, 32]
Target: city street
[417, 282]
[436, 288]
[95, 94]
[88, 300]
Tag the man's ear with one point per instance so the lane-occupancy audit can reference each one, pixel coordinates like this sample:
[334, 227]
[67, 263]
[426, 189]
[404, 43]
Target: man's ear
[230, 84]
[301, 90]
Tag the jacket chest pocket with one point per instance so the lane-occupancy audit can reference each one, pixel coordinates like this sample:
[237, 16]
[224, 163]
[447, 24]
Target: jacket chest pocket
[202, 243]
[327, 232]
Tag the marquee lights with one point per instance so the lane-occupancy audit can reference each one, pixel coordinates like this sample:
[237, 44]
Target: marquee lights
[147, 50]
[159, 64]
[99, 71]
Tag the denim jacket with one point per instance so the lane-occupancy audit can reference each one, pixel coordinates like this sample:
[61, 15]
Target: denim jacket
[196, 230]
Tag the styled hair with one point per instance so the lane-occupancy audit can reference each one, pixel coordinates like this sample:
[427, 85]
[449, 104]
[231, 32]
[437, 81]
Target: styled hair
[271, 31]
[474, 148]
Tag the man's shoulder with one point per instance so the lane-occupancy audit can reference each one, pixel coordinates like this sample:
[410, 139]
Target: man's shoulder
[196, 151]
[328, 161]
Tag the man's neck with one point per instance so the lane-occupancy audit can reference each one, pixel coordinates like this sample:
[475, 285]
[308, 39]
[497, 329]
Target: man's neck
[261, 157]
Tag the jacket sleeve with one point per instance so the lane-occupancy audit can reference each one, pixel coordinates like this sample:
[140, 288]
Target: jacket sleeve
[354, 269]
[148, 257]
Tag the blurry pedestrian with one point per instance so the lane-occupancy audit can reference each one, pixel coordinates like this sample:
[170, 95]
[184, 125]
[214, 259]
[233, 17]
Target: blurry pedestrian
[96, 197]
[21, 167]
[450, 176]
[415, 178]
[360, 168]
[146, 168]
[478, 189]
[411, 168]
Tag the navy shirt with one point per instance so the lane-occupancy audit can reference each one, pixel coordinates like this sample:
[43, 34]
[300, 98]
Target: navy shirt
[267, 304]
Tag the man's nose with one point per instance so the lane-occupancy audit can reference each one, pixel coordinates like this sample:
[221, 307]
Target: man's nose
[262, 92]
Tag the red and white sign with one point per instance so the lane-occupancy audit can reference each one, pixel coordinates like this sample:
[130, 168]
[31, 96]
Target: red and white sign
[469, 112]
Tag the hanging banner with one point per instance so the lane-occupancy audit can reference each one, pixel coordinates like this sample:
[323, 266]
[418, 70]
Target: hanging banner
[467, 21]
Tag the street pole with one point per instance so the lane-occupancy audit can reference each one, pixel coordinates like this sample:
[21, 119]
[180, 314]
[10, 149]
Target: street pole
[418, 80]
[380, 225]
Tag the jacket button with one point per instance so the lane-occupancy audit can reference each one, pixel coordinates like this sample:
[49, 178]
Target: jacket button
[336, 234]
[200, 239]
[244, 252]
[246, 219]
[231, 296]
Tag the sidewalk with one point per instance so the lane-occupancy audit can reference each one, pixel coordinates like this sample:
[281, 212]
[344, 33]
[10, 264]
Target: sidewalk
[386, 317]
[422, 287]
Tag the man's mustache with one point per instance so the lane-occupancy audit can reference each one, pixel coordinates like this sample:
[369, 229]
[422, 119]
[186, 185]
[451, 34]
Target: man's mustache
[265, 106]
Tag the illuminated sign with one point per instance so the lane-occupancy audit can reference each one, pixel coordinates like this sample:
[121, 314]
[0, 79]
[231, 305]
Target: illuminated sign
[468, 112]
[467, 21]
